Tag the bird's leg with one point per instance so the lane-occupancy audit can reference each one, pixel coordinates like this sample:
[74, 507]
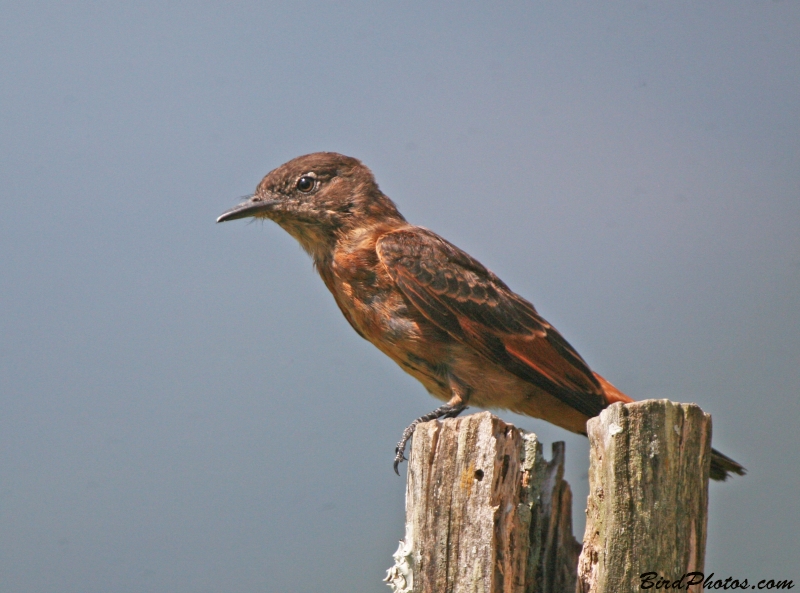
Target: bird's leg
[456, 405]
[449, 410]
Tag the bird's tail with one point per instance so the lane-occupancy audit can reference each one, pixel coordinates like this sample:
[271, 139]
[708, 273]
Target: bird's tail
[613, 395]
[722, 466]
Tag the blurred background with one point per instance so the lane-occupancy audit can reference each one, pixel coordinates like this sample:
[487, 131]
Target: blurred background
[182, 406]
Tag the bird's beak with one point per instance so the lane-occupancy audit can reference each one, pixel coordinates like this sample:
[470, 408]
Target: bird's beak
[251, 207]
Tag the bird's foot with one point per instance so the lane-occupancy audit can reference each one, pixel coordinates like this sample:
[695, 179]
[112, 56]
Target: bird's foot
[448, 410]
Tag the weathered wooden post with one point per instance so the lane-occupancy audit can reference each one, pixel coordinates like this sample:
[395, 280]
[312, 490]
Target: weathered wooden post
[648, 496]
[484, 512]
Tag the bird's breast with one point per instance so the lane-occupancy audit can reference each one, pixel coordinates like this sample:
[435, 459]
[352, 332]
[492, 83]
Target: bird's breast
[378, 311]
[377, 308]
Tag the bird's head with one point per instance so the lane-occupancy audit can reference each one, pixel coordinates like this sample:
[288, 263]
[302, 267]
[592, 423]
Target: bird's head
[317, 198]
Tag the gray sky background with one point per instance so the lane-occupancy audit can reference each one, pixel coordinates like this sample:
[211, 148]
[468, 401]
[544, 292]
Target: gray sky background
[183, 407]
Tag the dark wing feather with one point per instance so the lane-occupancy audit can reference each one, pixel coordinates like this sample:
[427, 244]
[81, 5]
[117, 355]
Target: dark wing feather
[462, 297]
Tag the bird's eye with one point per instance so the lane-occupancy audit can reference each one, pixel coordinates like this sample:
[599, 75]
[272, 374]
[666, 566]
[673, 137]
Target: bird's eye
[306, 183]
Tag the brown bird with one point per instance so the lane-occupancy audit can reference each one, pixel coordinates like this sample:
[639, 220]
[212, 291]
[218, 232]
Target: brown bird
[437, 312]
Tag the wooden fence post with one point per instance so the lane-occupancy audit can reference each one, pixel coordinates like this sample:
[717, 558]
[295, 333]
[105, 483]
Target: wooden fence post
[648, 496]
[484, 512]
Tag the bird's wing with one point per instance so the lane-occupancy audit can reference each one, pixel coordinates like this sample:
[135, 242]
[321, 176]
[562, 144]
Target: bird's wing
[459, 295]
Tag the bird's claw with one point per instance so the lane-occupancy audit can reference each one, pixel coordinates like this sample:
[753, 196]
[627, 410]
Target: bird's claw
[398, 459]
[400, 449]
[447, 410]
